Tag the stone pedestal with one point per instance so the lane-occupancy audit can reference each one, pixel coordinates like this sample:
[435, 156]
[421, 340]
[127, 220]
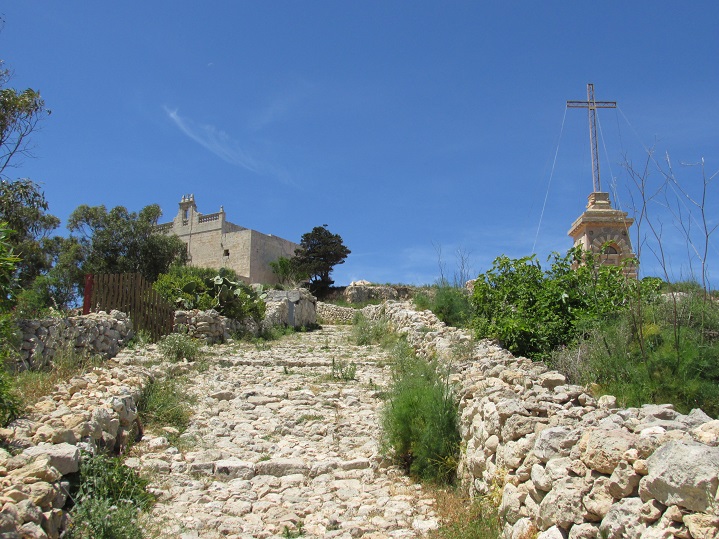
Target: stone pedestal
[605, 232]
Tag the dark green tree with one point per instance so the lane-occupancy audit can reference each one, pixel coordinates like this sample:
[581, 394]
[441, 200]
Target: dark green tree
[22, 204]
[320, 251]
[120, 241]
[24, 208]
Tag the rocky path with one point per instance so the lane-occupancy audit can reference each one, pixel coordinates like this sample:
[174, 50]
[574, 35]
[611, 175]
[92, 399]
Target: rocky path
[281, 445]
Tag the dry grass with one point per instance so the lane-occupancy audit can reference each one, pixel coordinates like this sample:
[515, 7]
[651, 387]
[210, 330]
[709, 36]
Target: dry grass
[463, 518]
[31, 386]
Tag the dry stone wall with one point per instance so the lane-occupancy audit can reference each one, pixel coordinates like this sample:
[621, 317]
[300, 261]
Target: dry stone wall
[334, 314]
[291, 308]
[95, 411]
[96, 333]
[569, 465]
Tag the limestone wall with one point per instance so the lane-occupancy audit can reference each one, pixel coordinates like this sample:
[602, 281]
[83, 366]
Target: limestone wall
[95, 333]
[569, 465]
[93, 411]
[292, 308]
[360, 293]
[328, 313]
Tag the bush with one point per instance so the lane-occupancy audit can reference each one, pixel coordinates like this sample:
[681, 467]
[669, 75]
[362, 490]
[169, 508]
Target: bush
[669, 354]
[533, 311]
[165, 404]
[201, 288]
[178, 346]
[419, 421]
[451, 304]
[366, 332]
[10, 403]
[108, 500]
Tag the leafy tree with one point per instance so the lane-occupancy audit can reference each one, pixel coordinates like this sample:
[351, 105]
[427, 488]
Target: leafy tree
[20, 113]
[22, 204]
[24, 208]
[286, 272]
[120, 241]
[60, 286]
[319, 252]
[9, 402]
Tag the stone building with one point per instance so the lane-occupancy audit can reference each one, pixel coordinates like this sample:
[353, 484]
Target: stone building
[214, 242]
[605, 232]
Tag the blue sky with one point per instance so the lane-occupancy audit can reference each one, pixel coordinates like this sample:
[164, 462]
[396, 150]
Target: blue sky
[403, 126]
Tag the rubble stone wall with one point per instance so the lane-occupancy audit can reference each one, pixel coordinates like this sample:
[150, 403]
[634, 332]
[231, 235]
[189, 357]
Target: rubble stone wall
[335, 314]
[570, 465]
[292, 308]
[95, 333]
[94, 411]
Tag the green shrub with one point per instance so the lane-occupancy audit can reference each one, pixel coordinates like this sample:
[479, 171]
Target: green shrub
[140, 339]
[366, 331]
[164, 403]
[10, 402]
[666, 355]
[419, 420]
[178, 346]
[451, 304]
[204, 289]
[108, 499]
[341, 370]
[533, 311]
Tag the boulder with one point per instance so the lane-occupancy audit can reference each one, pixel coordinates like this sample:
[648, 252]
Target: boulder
[555, 442]
[601, 450]
[623, 520]
[281, 467]
[683, 473]
[562, 506]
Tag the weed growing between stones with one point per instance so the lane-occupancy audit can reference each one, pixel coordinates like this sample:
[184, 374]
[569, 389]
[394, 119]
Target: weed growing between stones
[366, 332]
[139, 340]
[299, 531]
[178, 346]
[163, 403]
[309, 417]
[341, 370]
[465, 519]
[108, 500]
[419, 420]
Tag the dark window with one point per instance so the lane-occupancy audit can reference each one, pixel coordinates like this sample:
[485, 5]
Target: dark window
[226, 253]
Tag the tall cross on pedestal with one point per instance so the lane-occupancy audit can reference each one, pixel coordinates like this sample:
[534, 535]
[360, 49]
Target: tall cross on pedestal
[593, 106]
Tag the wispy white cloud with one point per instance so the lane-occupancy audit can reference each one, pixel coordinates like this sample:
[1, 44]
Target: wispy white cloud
[279, 106]
[225, 147]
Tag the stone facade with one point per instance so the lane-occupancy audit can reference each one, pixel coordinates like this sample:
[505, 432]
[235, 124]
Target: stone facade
[214, 242]
[601, 227]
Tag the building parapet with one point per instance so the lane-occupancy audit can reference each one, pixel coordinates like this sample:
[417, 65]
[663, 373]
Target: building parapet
[210, 217]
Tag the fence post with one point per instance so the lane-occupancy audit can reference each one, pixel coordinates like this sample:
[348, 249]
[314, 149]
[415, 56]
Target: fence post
[87, 299]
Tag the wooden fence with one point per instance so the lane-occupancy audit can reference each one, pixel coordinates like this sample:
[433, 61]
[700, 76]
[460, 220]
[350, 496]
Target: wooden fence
[131, 294]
